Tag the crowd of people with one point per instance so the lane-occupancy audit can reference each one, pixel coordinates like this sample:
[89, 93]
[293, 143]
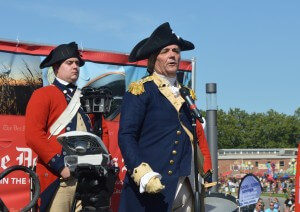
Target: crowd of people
[274, 205]
[270, 204]
[231, 185]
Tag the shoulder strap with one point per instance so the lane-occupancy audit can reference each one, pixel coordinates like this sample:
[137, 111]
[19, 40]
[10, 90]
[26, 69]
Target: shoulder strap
[67, 114]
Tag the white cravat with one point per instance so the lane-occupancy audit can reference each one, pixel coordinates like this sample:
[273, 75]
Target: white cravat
[172, 82]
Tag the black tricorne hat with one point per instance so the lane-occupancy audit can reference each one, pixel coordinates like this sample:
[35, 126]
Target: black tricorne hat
[62, 53]
[160, 38]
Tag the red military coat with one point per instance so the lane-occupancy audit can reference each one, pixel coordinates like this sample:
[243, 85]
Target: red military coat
[203, 145]
[44, 107]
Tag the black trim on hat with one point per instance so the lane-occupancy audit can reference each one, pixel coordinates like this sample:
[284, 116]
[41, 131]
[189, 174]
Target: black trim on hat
[160, 38]
[62, 53]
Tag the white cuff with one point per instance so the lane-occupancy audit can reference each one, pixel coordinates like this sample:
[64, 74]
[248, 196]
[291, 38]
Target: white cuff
[204, 123]
[146, 178]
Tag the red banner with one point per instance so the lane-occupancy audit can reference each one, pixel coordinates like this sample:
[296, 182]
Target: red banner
[15, 187]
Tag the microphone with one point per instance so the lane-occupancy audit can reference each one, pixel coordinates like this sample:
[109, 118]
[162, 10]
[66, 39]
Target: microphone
[185, 94]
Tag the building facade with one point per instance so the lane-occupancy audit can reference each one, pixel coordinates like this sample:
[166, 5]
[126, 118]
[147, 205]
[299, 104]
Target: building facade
[239, 162]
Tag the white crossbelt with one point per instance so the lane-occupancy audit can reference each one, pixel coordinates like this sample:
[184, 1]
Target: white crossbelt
[67, 115]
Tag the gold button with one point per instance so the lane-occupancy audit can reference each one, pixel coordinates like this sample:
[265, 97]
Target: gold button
[171, 162]
[178, 132]
[170, 172]
[176, 142]
[174, 152]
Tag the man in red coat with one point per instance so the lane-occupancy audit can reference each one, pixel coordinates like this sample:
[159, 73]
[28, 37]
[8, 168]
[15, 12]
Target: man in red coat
[44, 108]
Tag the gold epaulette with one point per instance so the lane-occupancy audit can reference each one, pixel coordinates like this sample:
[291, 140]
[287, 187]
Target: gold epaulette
[193, 95]
[137, 88]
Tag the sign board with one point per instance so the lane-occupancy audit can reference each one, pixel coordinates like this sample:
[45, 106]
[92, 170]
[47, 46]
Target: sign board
[249, 190]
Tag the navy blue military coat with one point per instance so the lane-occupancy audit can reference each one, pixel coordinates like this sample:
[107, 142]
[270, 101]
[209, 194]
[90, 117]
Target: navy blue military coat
[151, 131]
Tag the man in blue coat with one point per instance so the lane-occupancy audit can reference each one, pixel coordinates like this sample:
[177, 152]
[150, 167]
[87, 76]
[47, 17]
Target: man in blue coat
[156, 130]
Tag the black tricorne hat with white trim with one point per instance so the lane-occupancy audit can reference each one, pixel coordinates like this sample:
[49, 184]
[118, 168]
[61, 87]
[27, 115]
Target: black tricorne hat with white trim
[161, 37]
[62, 53]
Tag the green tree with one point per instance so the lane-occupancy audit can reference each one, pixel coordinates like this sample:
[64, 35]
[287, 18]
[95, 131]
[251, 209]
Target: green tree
[297, 113]
[238, 129]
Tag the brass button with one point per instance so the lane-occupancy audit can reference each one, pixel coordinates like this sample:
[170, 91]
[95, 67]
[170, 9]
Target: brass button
[174, 152]
[170, 172]
[171, 162]
[176, 142]
[178, 132]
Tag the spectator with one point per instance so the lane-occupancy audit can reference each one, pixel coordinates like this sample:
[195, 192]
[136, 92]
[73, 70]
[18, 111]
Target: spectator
[292, 208]
[276, 203]
[258, 207]
[283, 185]
[274, 187]
[262, 204]
[289, 201]
[271, 208]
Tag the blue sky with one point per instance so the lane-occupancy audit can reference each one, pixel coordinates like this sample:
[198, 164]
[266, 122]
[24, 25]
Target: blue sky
[250, 48]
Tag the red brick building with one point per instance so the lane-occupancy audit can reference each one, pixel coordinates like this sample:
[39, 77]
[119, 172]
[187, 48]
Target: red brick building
[238, 162]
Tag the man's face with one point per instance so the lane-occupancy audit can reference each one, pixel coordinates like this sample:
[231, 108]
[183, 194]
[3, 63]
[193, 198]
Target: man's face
[69, 70]
[258, 206]
[167, 61]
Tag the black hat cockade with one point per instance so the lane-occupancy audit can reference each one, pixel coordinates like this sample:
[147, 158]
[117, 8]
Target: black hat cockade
[62, 53]
[160, 38]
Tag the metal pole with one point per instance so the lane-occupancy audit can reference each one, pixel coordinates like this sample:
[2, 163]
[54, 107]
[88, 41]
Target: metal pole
[193, 73]
[211, 129]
